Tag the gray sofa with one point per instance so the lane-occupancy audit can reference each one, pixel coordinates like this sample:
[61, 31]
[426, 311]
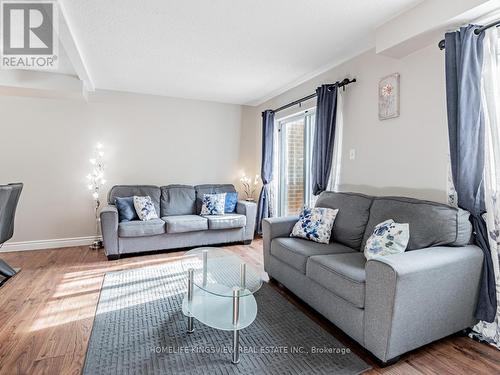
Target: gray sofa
[389, 305]
[179, 225]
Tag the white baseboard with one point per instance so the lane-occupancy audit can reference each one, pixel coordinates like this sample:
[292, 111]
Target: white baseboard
[47, 244]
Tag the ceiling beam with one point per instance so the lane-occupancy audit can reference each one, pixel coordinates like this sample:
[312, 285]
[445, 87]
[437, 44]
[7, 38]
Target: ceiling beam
[70, 45]
[40, 84]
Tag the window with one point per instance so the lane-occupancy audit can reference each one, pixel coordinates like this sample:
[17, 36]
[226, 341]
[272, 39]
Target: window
[294, 162]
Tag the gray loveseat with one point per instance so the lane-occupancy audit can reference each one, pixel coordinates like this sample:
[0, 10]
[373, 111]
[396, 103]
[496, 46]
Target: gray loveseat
[179, 225]
[393, 304]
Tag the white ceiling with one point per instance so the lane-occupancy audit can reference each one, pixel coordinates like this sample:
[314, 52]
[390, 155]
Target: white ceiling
[231, 51]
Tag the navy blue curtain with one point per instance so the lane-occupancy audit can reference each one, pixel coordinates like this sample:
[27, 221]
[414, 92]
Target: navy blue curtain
[324, 137]
[266, 172]
[464, 59]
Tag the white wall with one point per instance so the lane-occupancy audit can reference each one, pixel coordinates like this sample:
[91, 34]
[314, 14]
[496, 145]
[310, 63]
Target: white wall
[46, 143]
[404, 156]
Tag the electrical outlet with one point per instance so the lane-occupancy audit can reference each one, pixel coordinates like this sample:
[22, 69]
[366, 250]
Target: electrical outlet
[352, 154]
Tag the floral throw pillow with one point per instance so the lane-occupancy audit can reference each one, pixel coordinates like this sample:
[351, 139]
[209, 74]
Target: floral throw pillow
[315, 224]
[388, 238]
[145, 208]
[213, 204]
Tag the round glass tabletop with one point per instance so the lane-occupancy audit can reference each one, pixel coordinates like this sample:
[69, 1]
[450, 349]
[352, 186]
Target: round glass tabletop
[219, 271]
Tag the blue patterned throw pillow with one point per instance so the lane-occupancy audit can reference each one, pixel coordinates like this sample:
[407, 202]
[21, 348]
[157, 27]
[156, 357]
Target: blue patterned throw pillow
[231, 202]
[213, 204]
[315, 224]
[388, 238]
[126, 209]
[145, 208]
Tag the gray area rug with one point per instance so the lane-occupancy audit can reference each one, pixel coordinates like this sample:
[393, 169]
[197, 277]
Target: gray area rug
[139, 328]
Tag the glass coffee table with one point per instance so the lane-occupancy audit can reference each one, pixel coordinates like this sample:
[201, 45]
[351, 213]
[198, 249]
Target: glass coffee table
[220, 291]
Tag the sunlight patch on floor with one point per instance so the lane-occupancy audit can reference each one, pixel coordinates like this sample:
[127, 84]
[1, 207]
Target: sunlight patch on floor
[63, 311]
[75, 297]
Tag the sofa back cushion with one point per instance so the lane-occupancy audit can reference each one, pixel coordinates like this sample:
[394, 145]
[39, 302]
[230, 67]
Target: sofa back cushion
[210, 189]
[350, 223]
[431, 223]
[139, 190]
[178, 200]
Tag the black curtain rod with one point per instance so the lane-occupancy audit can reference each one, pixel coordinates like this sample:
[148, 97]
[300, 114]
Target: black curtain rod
[477, 31]
[342, 83]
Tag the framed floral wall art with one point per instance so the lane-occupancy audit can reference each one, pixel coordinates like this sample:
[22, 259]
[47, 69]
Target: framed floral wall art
[388, 97]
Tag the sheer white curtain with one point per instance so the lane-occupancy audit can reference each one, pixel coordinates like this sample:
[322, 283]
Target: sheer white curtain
[274, 186]
[491, 107]
[334, 181]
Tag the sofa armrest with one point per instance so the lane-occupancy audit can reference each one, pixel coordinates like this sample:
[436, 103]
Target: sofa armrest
[109, 229]
[249, 209]
[272, 228]
[419, 296]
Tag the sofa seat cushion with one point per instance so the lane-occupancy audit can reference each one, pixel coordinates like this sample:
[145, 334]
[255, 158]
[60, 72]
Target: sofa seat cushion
[138, 228]
[227, 221]
[296, 251]
[342, 274]
[185, 223]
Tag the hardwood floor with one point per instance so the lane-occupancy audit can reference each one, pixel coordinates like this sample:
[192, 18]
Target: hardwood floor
[47, 312]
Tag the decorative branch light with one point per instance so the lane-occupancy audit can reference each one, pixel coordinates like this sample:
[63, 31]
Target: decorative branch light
[249, 186]
[96, 181]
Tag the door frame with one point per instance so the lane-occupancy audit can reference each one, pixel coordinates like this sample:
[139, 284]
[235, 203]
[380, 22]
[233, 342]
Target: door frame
[309, 121]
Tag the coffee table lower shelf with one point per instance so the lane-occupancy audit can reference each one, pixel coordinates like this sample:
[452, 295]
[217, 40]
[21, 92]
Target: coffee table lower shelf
[220, 311]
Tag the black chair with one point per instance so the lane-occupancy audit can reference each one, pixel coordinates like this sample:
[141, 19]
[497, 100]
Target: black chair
[9, 197]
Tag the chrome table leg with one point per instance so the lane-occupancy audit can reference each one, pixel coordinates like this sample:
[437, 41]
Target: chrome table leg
[243, 275]
[205, 265]
[236, 332]
[190, 326]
